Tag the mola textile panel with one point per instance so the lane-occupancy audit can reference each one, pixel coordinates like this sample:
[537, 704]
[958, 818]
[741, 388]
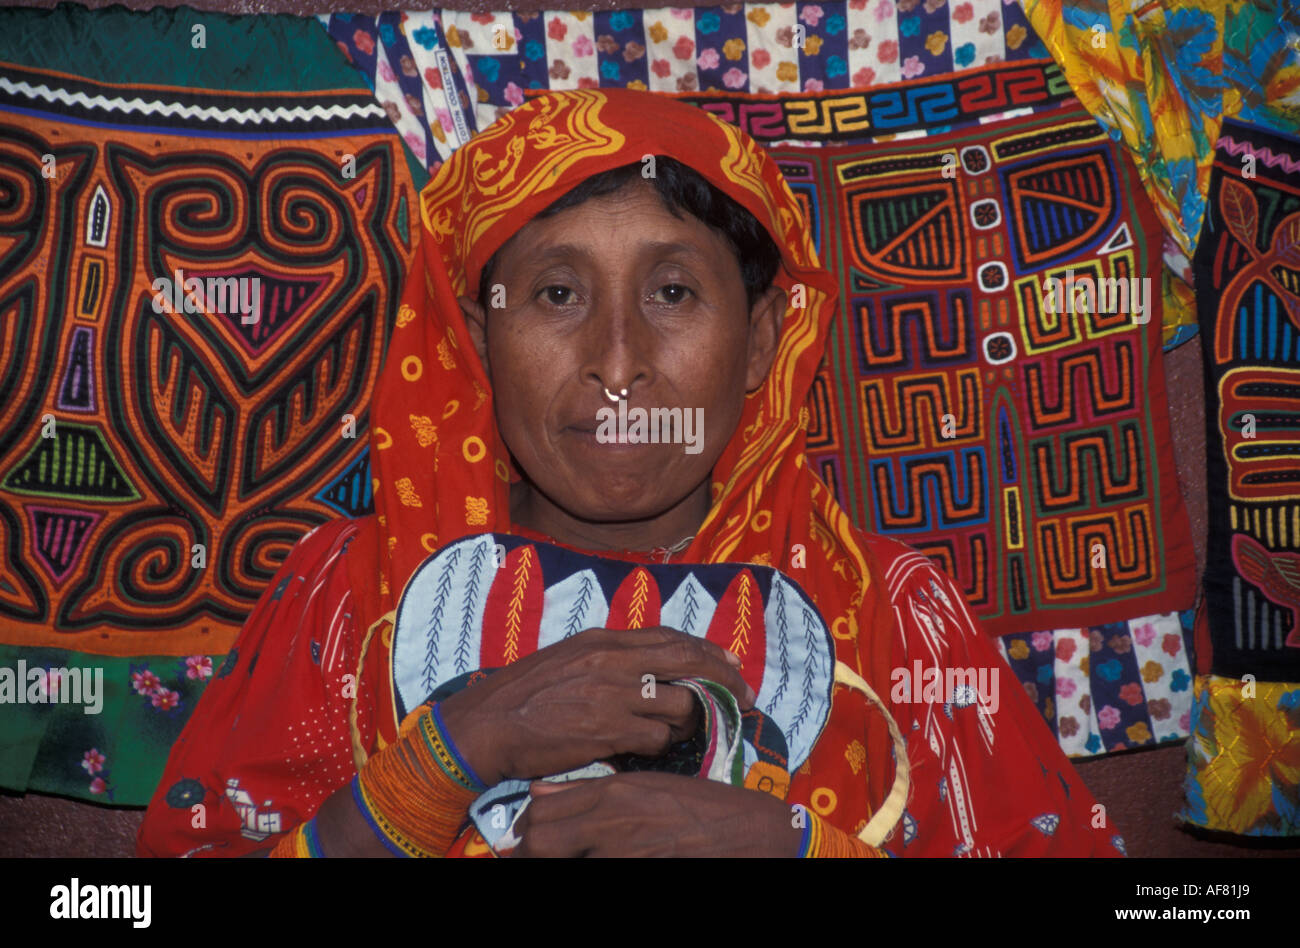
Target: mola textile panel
[1244, 756]
[206, 220]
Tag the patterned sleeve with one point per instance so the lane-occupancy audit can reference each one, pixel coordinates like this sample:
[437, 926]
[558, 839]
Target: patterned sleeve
[988, 777]
[269, 740]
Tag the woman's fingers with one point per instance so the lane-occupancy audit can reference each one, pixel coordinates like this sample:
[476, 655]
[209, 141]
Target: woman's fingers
[561, 819]
[686, 725]
[672, 705]
[594, 695]
[668, 654]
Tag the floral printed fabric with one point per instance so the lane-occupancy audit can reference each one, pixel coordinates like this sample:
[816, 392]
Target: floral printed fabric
[116, 754]
[443, 73]
[1110, 687]
[406, 60]
[1161, 76]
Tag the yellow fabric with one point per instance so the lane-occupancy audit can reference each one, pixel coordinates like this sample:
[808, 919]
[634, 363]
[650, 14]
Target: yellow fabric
[1161, 75]
[1244, 757]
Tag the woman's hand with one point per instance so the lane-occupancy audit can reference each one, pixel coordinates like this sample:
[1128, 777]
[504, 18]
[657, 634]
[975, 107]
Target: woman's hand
[654, 814]
[585, 699]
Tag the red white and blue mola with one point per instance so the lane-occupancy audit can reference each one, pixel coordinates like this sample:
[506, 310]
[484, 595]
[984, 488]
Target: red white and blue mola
[490, 599]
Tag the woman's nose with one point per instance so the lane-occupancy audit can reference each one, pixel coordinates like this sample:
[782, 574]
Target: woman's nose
[619, 349]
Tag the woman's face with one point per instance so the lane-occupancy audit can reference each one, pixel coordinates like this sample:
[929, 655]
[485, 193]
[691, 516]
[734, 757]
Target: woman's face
[619, 294]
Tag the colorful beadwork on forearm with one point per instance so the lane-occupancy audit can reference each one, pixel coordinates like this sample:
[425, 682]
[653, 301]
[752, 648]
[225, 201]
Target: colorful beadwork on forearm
[415, 793]
[823, 841]
[301, 843]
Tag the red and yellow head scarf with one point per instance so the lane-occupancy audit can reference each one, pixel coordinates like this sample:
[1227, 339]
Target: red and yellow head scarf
[441, 470]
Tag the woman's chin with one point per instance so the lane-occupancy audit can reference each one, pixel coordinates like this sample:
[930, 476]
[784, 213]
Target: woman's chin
[621, 506]
[610, 498]
[618, 483]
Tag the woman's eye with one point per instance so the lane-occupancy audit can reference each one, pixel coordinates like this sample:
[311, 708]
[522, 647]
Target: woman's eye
[673, 293]
[557, 295]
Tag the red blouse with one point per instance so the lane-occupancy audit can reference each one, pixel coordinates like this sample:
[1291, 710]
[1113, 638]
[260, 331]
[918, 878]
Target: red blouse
[271, 739]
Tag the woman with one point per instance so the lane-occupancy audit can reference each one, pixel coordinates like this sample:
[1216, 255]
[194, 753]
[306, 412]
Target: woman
[568, 266]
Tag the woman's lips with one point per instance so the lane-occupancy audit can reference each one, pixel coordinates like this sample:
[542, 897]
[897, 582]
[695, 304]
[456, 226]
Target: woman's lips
[587, 438]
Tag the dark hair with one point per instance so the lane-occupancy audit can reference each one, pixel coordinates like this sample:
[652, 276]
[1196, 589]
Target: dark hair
[681, 189]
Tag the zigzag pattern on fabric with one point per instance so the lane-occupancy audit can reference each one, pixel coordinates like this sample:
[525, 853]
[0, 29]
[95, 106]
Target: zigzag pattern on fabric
[1264, 155]
[156, 107]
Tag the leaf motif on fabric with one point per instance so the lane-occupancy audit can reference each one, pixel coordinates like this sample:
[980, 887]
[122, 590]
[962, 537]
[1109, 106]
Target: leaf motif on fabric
[467, 627]
[738, 625]
[515, 613]
[442, 595]
[636, 604]
[573, 624]
[1286, 239]
[783, 642]
[1240, 213]
[744, 619]
[809, 673]
[690, 609]
[636, 613]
